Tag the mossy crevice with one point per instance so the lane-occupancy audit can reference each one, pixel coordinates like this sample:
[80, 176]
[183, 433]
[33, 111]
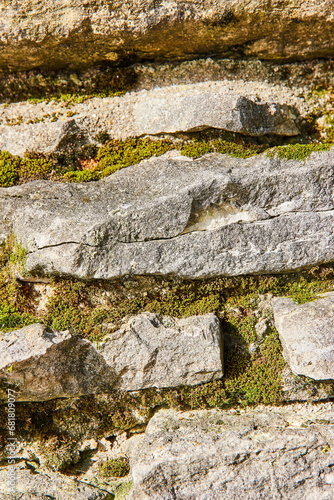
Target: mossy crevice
[15, 310]
[91, 163]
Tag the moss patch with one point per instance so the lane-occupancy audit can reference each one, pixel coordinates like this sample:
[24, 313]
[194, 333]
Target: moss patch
[297, 152]
[115, 467]
[15, 310]
[91, 163]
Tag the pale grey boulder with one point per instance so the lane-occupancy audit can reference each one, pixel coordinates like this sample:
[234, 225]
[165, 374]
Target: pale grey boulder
[172, 215]
[155, 351]
[77, 33]
[42, 364]
[257, 454]
[148, 351]
[307, 335]
[183, 108]
[48, 127]
[31, 485]
[43, 138]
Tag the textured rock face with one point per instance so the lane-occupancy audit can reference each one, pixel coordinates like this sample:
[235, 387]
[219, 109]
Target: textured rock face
[33, 486]
[44, 364]
[38, 33]
[154, 351]
[170, 215]
[32, 127]
[215, 455]
[149, 351]
[307, 335]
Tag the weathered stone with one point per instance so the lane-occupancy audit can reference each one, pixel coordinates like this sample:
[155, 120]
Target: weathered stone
[222, 455]
[154, 351]
[172, 215]
[307, 334]
[44, 364]
[47, 127]
[149, 351]
[39, 137]
[75, 33]
[30, 485]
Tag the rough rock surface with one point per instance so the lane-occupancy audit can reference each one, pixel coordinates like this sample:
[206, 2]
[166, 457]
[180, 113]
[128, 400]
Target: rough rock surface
[154, 351]
[307, 335]
[263, 453]
[44, 364]
[149, 351]
[38, 486]
[47, 127]
[171, 215]
[75, 33]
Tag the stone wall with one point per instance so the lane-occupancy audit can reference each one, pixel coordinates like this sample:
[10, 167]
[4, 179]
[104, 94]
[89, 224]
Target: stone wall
[166, 250]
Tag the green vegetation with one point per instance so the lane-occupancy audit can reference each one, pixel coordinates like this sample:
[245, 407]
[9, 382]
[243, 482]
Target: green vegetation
[58, 452]
[91, 163]
[123, 490]
[115, 467]
[232, 147]
[297, 151]
[14, 309]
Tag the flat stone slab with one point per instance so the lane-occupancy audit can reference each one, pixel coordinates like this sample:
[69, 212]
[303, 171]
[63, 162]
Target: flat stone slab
[171, 215]
[148, 351]
[248, 455]
[236, 106]
[155, 351]
[307, 335]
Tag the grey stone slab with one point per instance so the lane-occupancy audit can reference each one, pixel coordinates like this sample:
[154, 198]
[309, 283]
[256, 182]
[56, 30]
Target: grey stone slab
[155, 351]
[307, 335]
[42, 364]
[212, 216]
[31, 485]
[257, 454]
[238, 106]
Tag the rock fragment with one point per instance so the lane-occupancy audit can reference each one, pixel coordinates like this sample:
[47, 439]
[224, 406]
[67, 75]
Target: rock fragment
[307, 335]
[43, 364]
[149, 351]
[155, 351]
[219, 455]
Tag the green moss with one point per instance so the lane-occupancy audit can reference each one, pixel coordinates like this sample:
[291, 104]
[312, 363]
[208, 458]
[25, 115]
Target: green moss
[115, 467]
[118, 154]
[68, 85]
[90, 163]
[86, 306]
[14, 311]
[58, 453]
[253, 379]
[297, 152]
[123, 490]
[8, 169]
[82, 176]
[233, 146]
